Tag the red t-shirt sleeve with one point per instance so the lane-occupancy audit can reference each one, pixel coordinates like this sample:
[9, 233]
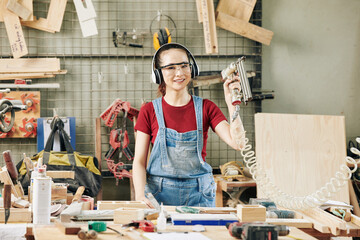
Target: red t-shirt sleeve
[143, 122]
[213, 113]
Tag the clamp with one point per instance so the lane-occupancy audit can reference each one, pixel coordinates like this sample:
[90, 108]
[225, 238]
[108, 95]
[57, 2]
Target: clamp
[11, 106]
[146, 226]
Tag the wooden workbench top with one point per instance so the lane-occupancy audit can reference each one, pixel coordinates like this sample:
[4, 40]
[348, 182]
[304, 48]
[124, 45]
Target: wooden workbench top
[212, 232]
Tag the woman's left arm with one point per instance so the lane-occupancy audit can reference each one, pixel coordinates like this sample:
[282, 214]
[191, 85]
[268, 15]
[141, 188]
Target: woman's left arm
[233, 134]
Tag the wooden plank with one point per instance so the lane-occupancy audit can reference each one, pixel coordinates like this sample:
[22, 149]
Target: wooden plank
[240, 9]
[299, 223]
[243, 28]
[219, 195]
[29, 65]
[38, 23]
[17, 215]
[20, 10]
[56, 14]
[61, 174]
[199, 11]
[30, 86]
[14, 31]
[334, 223]
[209, 26]
[295, 148]
[126, 215]
[9, 76]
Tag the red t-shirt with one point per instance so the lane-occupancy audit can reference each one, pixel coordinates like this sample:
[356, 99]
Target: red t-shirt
[182, 119]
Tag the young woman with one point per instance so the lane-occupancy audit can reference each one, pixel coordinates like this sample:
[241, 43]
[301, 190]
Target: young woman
[177, 125]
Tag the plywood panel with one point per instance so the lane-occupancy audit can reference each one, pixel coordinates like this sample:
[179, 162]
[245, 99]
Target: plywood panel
[301, 152]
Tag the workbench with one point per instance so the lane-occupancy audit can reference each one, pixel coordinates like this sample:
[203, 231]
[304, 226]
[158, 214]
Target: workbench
[226, 185]
[212, 232]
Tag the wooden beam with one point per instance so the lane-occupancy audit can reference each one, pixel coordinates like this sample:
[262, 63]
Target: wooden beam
[243, 28]
[29, 65]
[14, 31]
[353, 199]
[209, 26]
[199, 11]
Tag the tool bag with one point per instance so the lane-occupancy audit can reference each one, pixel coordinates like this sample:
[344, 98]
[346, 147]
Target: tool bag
[85, 167]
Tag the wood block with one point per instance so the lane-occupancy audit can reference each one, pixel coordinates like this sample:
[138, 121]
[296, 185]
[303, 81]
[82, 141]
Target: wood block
[68, 228]
[61, 174]
[126, 215]
[294, 148]
[240, 9]
[17, 215]
[29, 65]
[199, 11]
[243, 28]
[28, 4]
[251, 213]
[108, 205]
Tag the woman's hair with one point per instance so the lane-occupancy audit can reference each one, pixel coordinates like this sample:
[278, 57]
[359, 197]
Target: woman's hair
[157, 62]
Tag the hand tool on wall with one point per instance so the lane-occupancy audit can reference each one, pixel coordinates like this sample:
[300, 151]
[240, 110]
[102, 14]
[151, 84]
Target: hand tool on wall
[238, 94]
[29, 127]
[7, 201]
[11, 106]
[122, 38]
[110, 114]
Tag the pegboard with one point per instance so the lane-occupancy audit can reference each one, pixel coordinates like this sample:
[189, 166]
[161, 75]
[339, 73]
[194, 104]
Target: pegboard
[98, 72]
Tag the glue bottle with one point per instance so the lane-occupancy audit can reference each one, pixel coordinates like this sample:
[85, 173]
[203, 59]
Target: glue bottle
[161, 220]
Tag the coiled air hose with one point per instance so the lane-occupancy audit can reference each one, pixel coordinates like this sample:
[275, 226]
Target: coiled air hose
[293, 202]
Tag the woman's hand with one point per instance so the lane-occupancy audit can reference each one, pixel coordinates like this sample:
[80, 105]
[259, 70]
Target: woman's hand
[144, 199]
[228, 86]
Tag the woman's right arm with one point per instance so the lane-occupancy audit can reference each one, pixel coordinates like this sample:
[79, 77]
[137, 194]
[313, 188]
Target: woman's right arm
[139, 166]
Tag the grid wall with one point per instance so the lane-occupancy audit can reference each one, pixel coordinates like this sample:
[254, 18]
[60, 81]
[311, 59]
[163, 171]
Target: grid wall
[98, 72]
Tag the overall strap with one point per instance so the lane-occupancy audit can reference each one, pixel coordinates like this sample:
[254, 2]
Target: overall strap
[198, 105]
[157, 103]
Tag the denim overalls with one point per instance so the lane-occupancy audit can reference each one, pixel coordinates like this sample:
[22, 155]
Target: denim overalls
[177, 174]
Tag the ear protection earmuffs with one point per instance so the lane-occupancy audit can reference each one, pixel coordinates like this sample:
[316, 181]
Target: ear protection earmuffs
[162, 37]
[156, 74]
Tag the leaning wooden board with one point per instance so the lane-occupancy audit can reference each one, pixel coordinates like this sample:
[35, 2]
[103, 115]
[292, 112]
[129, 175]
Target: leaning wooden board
[301, 152]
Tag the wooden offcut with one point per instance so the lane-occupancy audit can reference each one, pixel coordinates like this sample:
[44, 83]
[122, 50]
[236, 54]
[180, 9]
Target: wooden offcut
[251, 213]
[16, 189]
[300, 153]
[243, 28]
[109, 205]
[241, 9]
[14, 31]
[20, 10]
[54, 18]
[28, 4]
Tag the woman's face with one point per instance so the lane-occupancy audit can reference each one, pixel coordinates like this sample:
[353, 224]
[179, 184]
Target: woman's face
[176, 71]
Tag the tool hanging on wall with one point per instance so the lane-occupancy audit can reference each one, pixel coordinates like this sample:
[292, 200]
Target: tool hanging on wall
[29, 127]
[238, 94]
[123, 38]
[10, 106]
[119, 139]
[164, 35]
